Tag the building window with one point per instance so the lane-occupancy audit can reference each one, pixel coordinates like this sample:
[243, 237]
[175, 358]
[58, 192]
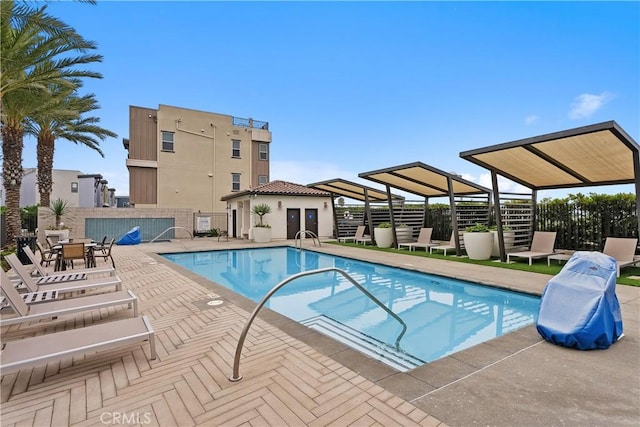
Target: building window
[167, 141]
[74, 187]
[262, 179]
[235, 182]
[262, 152]
[235, 148]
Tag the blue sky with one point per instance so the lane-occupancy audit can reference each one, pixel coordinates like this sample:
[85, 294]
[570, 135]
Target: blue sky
[351, 87]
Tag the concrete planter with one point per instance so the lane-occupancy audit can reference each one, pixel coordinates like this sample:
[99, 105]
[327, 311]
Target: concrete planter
[384, 237]
[478, 245]
[261, 234]
[57, 234]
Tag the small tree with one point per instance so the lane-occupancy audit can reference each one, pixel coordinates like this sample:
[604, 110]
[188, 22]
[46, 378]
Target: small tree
[261, 210]
[59, 208]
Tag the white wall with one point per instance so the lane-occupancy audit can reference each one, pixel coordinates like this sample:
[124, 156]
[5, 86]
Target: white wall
[62, 180]
[28, 191]
[277, 219]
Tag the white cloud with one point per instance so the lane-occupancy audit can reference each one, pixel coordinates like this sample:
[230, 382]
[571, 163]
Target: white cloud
[586, 104]
[529, 120]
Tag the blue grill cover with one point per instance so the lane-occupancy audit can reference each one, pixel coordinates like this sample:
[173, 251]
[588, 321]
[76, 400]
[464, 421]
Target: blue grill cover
[579, 306]
[132, 237]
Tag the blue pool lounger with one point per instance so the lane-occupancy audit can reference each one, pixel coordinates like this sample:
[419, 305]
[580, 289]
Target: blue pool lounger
[579, 307]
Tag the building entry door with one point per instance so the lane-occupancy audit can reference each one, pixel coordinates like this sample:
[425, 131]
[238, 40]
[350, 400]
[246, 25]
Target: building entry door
[234, 223]
[293, 223]
[311, 220]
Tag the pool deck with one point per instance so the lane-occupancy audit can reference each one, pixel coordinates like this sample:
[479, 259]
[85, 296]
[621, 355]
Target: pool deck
[295, 376]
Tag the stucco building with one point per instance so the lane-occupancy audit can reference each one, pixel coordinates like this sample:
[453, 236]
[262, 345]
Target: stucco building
[183, 158]
[294, 208]
[76, 188]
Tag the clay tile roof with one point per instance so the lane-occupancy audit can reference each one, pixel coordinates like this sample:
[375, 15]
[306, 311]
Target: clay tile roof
[279, 188]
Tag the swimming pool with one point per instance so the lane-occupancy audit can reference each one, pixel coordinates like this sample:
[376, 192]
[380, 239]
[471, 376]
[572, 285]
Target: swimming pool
[443, 315]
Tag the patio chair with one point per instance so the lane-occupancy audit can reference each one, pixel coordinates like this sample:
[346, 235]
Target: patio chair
[359, 234]
[101, 246]
[445, 247]
[622, 249]
[42, 349]
[46, 255]
[542, 246]
[424, 240]
[74, 252]
[61, 286]
[106, 255]
[52, 240]
[29, 313]
[43, 276]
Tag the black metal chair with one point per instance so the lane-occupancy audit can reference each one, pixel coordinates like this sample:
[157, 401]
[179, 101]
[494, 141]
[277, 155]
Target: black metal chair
[46, 255]
[106, 253]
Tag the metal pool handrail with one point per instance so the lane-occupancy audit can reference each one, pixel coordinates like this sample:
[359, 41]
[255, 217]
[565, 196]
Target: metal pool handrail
[301, 233]
[243, 335]
[171, 228]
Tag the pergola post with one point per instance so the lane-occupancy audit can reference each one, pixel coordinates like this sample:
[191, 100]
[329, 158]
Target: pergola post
[367, 212]
[454, 215]
[425, 211]
[392, 217]
[335, 216]
[498, 210]
[636, 173]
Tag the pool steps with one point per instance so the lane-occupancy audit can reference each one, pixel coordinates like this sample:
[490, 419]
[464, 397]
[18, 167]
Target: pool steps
[370, 346]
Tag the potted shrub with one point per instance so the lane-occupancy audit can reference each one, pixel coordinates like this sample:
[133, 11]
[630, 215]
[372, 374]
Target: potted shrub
[478, 242]
[509, 239]
[383, 235]
[59, 208]
[261, 231]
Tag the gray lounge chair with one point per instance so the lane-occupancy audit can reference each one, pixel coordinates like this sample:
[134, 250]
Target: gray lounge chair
[623, 249]
[445, 247]
[80, 274]
[542, 246]
[359, 235]
[42, 349]
[28, 313]
[424, 241]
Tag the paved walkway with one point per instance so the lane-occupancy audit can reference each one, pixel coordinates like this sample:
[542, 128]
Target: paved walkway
[294, 376]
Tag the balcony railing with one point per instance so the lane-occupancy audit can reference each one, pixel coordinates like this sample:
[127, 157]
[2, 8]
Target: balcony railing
[250, 123]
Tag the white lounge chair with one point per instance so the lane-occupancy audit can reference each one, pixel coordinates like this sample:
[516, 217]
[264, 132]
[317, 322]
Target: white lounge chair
[623, 249]
[542, 246]
[447, 246]
[34, 285]
[42, 349]
[424, 241]
[28, 313]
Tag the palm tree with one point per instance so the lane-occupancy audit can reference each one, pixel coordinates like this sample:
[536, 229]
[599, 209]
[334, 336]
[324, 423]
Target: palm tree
[34, 50]
[64, 120]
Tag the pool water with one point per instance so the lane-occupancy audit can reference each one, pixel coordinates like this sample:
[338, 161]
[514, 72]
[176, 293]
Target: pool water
[443, 315]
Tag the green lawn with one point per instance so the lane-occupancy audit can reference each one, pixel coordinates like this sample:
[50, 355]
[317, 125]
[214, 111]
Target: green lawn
[539, 266]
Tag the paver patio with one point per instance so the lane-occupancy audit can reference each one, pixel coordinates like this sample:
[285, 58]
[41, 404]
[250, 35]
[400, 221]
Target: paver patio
[295, 376]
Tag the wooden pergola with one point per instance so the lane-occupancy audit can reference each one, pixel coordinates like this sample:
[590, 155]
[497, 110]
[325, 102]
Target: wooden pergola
[426, 181]
[342, 187]
[598, 154]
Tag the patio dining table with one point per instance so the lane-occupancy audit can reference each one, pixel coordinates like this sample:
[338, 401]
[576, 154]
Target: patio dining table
[89, 246]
